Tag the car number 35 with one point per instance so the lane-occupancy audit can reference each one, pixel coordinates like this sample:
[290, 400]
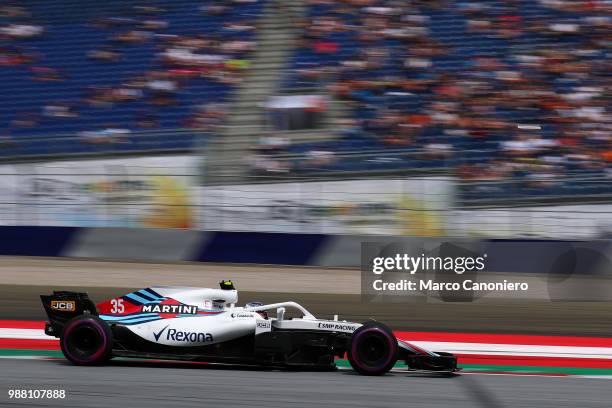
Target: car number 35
[117, 306]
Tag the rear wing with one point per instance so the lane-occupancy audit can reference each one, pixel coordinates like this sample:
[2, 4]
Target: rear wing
[62, 306]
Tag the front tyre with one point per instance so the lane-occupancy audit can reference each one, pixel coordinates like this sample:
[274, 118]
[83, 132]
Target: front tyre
[373, 349]
[86, 340]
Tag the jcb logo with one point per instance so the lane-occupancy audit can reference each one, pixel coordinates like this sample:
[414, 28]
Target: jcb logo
[63, 305]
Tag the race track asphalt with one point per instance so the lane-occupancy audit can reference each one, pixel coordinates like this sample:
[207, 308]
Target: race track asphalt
[135, 384]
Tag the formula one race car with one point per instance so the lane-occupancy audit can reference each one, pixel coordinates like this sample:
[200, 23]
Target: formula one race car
[203, 324]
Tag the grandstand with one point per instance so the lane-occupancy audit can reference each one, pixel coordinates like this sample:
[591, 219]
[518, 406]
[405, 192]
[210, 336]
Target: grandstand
[491, 90]
[510, 96]
[94, 78]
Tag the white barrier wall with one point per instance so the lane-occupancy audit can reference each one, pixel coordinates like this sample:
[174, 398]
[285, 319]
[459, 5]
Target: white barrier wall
[125, 192]
[163, 192]
[582, 221]
[415, 206]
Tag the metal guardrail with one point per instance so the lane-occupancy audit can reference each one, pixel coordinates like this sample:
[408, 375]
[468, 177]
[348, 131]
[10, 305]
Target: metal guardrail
[15, 150]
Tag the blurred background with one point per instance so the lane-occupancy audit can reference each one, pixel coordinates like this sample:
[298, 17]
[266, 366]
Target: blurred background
[421, 118]
[181, 142]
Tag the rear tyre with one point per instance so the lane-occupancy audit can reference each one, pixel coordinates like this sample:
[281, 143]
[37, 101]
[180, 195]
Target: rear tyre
[373, 349]
[86, 340]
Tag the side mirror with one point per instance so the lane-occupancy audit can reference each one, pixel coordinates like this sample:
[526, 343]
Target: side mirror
[280, 313]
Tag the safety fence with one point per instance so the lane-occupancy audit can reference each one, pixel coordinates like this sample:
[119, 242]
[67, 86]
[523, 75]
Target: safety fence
[166, 192]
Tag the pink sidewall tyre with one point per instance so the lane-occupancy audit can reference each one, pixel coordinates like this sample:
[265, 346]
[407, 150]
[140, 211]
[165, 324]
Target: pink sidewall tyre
[373, 349]
[87, 340]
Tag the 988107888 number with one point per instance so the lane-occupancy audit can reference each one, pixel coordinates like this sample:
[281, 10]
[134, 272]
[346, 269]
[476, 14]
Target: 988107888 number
[36, 394]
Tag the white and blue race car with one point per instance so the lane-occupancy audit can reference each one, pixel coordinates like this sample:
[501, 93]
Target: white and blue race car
[203, 324]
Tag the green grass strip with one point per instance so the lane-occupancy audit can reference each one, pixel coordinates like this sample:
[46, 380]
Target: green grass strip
[537, 369]
[514, 369]
[24, 352]
[345, 364]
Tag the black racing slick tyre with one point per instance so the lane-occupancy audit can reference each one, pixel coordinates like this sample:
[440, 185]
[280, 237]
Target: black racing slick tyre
[373, 349]
[86, 340]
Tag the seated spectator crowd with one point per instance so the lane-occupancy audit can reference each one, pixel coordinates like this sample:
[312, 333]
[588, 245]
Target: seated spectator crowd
[78, 79]
[492, 90]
